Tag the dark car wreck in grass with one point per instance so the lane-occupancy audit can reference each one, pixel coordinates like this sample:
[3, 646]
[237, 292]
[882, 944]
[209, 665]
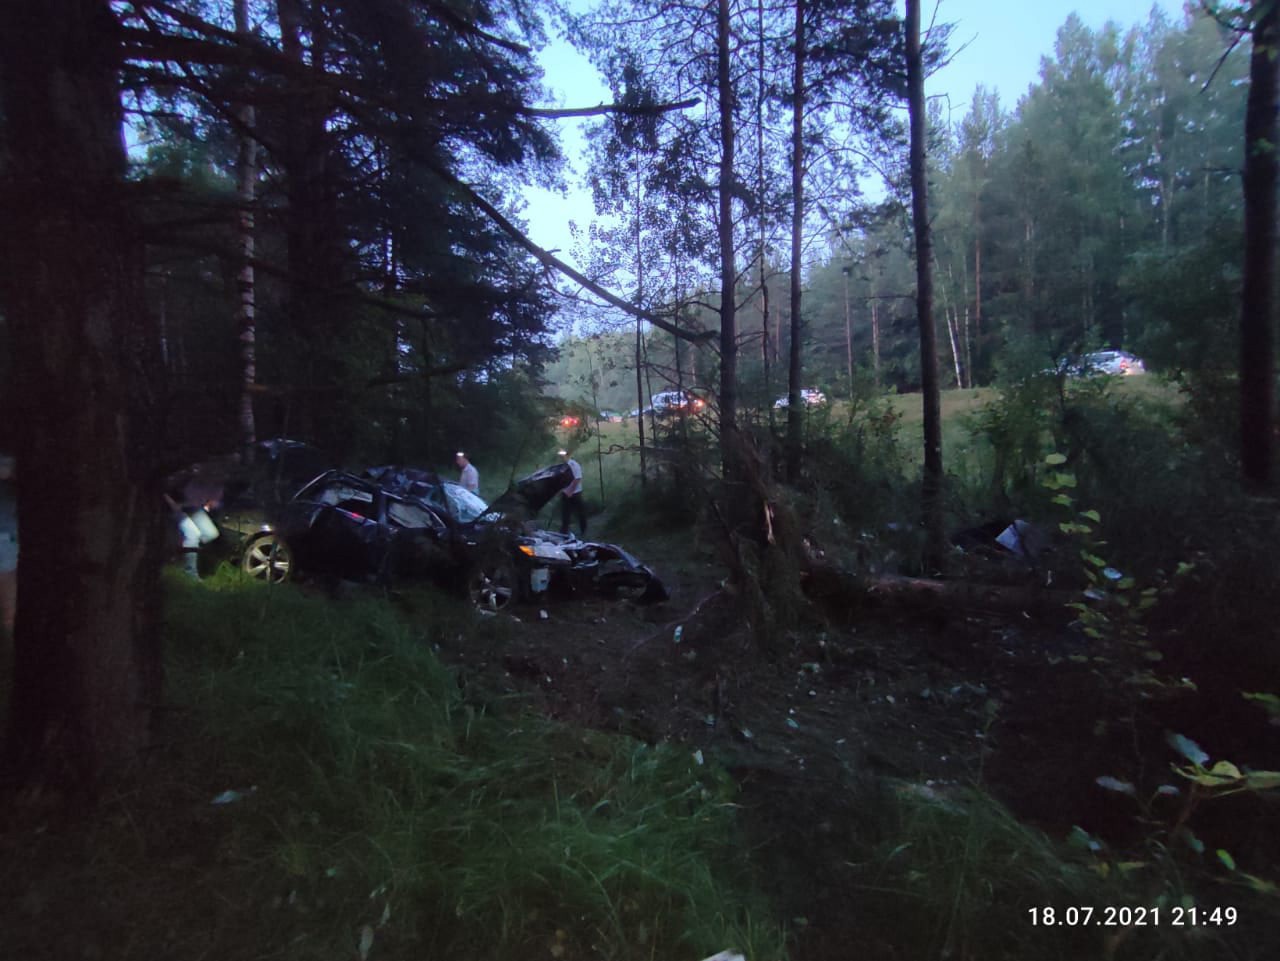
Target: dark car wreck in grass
[394, 522]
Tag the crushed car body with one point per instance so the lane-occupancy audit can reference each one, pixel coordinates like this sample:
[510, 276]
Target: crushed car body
[396, 522]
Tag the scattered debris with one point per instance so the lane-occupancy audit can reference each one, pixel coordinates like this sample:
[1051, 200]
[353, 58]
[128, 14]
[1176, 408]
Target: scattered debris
[231, 796]
[1024, 539]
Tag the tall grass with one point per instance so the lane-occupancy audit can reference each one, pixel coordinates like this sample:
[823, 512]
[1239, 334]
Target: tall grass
[957, 876]
[377, 811]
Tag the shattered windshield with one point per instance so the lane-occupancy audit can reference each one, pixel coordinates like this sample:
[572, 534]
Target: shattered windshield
[463, 504]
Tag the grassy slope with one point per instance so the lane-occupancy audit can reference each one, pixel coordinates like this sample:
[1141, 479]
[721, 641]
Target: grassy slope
[373, 805]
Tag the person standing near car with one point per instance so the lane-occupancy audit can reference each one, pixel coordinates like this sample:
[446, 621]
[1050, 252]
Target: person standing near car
[468, 476]
[571, 498]
[201, 491]
[8, 544]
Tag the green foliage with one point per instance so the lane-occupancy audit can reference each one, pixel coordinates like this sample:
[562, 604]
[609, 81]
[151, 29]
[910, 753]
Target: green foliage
[1187, 301]
[1013, 430]
[956, 875]
[1124, 457]
[862, 499]
[373, 802]
[1110, 608]
[1172, 849]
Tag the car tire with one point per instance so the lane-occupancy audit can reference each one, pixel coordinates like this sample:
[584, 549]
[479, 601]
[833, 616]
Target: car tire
[493, 587]
[268, 558]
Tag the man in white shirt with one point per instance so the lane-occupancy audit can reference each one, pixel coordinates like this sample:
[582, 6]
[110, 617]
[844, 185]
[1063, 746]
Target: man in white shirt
[468, 476]
[571, 498]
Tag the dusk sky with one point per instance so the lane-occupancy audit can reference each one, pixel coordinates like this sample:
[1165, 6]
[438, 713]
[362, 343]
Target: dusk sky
[1002, 46]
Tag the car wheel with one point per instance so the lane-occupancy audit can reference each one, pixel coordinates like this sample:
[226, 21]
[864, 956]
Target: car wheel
[268, 558]
[492, 587]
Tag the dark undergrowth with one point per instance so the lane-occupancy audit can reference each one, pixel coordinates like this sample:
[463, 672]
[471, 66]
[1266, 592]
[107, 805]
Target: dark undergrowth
[323, 787]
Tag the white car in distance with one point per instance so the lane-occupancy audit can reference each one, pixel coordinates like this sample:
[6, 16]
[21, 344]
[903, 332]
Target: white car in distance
[811, 396]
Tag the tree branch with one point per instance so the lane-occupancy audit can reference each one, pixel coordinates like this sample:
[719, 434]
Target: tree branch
[547, 259]
[557, 113]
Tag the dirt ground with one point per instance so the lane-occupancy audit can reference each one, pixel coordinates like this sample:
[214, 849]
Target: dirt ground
[935, 699]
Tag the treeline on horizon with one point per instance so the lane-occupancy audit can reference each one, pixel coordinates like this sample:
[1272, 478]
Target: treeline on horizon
[1102, 210]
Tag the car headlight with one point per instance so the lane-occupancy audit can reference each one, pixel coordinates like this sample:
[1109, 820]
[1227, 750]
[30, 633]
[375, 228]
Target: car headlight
[546, 552]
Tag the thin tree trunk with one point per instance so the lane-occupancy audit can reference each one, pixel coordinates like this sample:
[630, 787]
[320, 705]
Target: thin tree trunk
[1256, 299]
[875, 340]
[86, 658]
[931, 488]
[953, 323]
[246, 325]
[795, 407]
[728, 268]
[640, 404]
[949, 316]
[764, 333]
[848, 331]
[595, 406]
[966, 345]
[977, 279]
[762, 215]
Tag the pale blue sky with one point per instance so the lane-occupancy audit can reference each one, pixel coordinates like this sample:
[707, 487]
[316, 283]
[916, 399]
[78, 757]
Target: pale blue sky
[1004, 41]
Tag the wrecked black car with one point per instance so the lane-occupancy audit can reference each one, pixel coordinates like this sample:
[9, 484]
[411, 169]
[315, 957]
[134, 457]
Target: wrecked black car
[396, 522]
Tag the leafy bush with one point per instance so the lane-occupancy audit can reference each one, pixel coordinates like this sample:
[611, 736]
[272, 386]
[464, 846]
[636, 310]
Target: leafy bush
[1123, 449]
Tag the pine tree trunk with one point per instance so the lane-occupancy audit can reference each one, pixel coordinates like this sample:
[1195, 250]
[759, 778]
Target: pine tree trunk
[795, 408]
[848, 333]
[246, 325]
[977, 280]
[644, 477]
[761, 94]
[875, 341]
[931, 489]
[728, 267]
[1256, 313]
[311, 231]
[87, 669]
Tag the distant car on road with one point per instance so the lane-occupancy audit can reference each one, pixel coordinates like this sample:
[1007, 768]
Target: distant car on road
[569, 421]
[611, 416]
[1117, 362]
[670, 402]
[1114, 363]
[811, 396]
